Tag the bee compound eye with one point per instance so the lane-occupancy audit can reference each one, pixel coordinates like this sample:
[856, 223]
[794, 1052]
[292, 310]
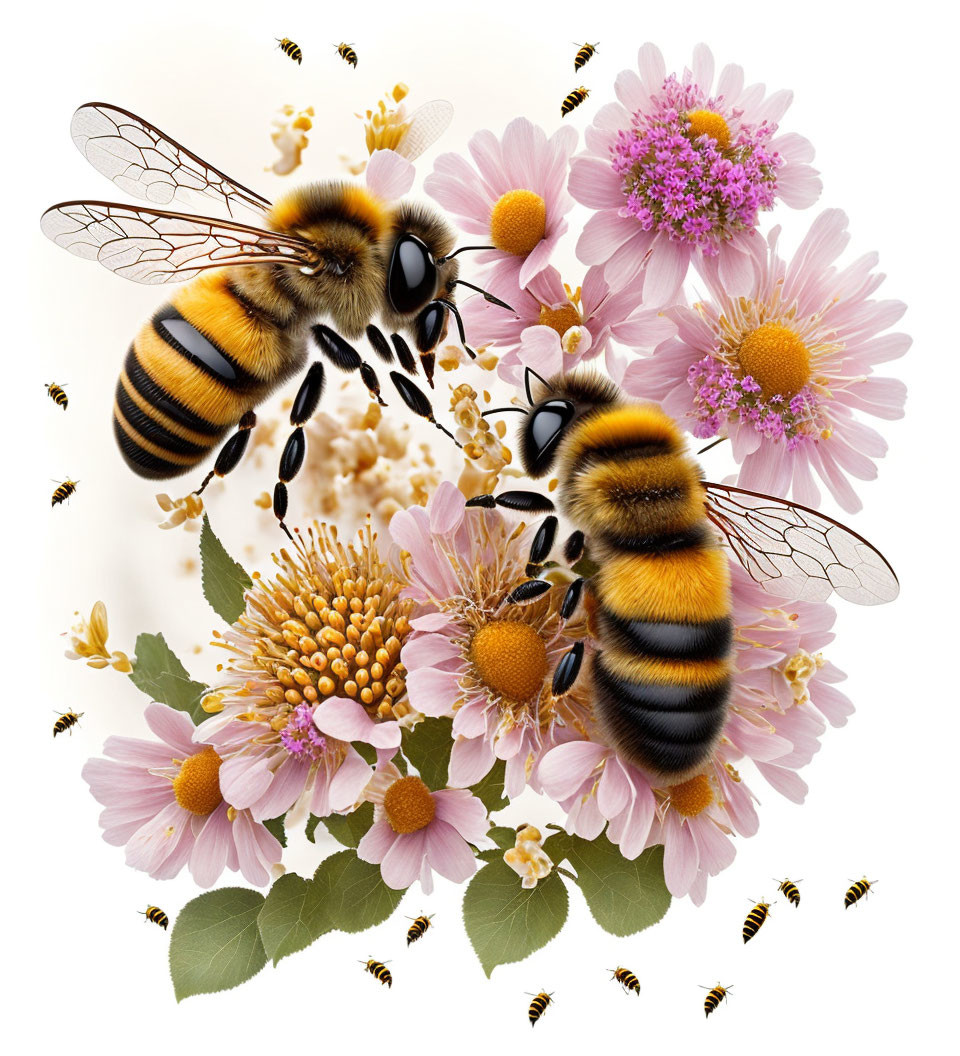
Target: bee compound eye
[411, 276]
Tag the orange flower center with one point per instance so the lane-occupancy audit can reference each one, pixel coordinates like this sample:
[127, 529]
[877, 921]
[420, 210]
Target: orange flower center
[707, 123]
[776, 359]
[197, 786]
[510, 658]
[518, 222]
[560, 319]
[691, 797]
[408, 805]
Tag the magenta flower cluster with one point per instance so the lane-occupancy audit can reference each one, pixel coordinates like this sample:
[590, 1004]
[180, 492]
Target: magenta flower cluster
[693, 190]
[719, 394]
[300, 736]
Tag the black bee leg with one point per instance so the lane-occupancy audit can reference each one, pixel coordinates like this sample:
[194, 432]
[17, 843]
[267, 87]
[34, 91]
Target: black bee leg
[232, 451]
[452, 308]
[567, 670]
[542, 545]
[573, 548]
[305, 404]
[571, 599]
[417, 401]
[522, 501]
[429, 329]
[346, 358]
[404, 355]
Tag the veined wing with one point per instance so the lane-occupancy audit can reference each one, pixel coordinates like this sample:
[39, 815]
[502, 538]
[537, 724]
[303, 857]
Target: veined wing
[427, 124]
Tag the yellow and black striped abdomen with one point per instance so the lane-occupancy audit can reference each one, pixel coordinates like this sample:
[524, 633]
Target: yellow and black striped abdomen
[347, 54]
[63, 492]
[713, 999]
[573, 100]
[583, 56]
[57, 394]
[790, 891]
[627, 980]
[537, 1007]
[381, 972]
[288, 47]
[156, 915]
[755, 919]
[195, 368]
[856, 892]
[417, 929]
[71, 718]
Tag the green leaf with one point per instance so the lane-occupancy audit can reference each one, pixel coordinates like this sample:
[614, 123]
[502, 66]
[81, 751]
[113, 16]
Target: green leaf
[428, 747]
[503, 836]
[312, 822]
[353, 892]
[215, 944]
[366, 752]
[624, 897]
[349, 829]
[276, 828]
[489, 790]
[224, 581]
[292, 917]
[585, 567]
[158, 673]
[507, 922]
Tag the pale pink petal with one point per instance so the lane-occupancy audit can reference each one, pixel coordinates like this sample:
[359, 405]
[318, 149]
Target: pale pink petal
[211, 849]
[446, 508]
[564, 768]
[461, 809]
[376, 841]
[470, 760]
[432, 691]
[389, 175]
[401, 864]
[346, 720]
[680, 857]
[348, 783]
[173, 727]
[448, 853]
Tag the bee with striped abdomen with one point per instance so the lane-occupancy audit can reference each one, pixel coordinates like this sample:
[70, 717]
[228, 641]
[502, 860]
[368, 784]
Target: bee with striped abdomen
[755, 920]
[856, 891]
[790, 891]
[379, 971]
[584, 55]
[156, 916]
[714, 997]
[241, 326]
[418, 928]
[573, 100]
[660, 597]
[63, 491]
[288, 47]
[346, 52]
[66, 721]
[538, 1006]
[56, 393]
[626, 979]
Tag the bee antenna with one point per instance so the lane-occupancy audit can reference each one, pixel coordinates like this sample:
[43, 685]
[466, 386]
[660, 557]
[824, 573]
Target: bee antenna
[497, 410]
[452, 308]
[526, 382]
[709, 447]
[488, 297]
[462, 249]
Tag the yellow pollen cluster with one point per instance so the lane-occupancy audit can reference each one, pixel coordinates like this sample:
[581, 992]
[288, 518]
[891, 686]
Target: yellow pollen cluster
[691, 797]
[560, 319]
[707, 123]
[89, 640]
[510, 658]
[518, 222]
[197, 786]
[181, 511]
[777, 360]
[408, 805]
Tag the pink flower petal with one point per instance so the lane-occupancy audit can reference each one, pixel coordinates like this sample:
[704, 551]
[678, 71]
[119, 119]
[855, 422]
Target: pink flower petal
[448, 853]
[401, 864]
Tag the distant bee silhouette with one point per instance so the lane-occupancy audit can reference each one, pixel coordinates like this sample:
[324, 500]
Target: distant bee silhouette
[347, 53]
[418, 927]
[379, 971]
[288, 47]
[68, 719]
[713, 999]
[573, 100]
[791, 891]
[156, 916]
[584, 55]
[755, 919]
[626, 979]
[857, 891]
[56, 393]
[538, 1006]
[64, 491]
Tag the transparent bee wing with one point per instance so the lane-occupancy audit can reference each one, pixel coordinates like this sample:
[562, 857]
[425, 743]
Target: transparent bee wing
[156, 247]
[427, 124]
[796, 552]
[149, 165]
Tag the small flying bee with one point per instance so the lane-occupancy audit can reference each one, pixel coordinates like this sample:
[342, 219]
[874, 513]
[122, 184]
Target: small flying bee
[626, 979]
[56, 393]
[660, 596]
[288, 47]
[584, 55]
[156, 916]
[714, 997]
[418, 928]
[538, 1006]
[791, 891]
[573, 100]
[242, 324]
[347, 53]
[63, 491]
[65, 721]
[379, 971]
[755, 920]
[857, 891]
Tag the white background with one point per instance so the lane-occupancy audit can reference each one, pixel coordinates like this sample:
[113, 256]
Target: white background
[876, 92]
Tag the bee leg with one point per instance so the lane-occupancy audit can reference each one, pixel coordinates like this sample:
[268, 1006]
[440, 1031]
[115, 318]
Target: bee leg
[429, 331]
[571, 598]
[232, 451]
[542, 545]
[566, 672]
[452, 308]
[522, 501]
[417, 401]
[346, 358]
[573, 547]
[294, 450]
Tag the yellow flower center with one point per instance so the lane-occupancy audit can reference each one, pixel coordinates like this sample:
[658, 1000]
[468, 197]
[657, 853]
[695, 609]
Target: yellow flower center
[560, 319]
[691, 797]
[776, 359]
[518, 222]
[707, 123]
[408, 805]
[510, 659]
[197, 786]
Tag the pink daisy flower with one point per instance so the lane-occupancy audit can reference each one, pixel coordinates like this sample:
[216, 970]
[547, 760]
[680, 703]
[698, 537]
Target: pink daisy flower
[164, 804]
[679, 171]
[416, 831]
[786, 369]
[487, 664]
[515, 199]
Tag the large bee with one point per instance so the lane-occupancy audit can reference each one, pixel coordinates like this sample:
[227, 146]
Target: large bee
[63, 491]
[289, 48]
[857, 891]
[538, 1006]
[242, 323]
[418, 928]
[660, 596]
[379, 971]
[346, 52]
[626, 979]
[573, 100]
[156, 916]
[755, 920]
[714, 997]
[65, 721]
[56, 393]
[791, 891]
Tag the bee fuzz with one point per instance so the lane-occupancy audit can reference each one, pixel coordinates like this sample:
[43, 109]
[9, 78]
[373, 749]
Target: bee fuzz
[527, 859]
